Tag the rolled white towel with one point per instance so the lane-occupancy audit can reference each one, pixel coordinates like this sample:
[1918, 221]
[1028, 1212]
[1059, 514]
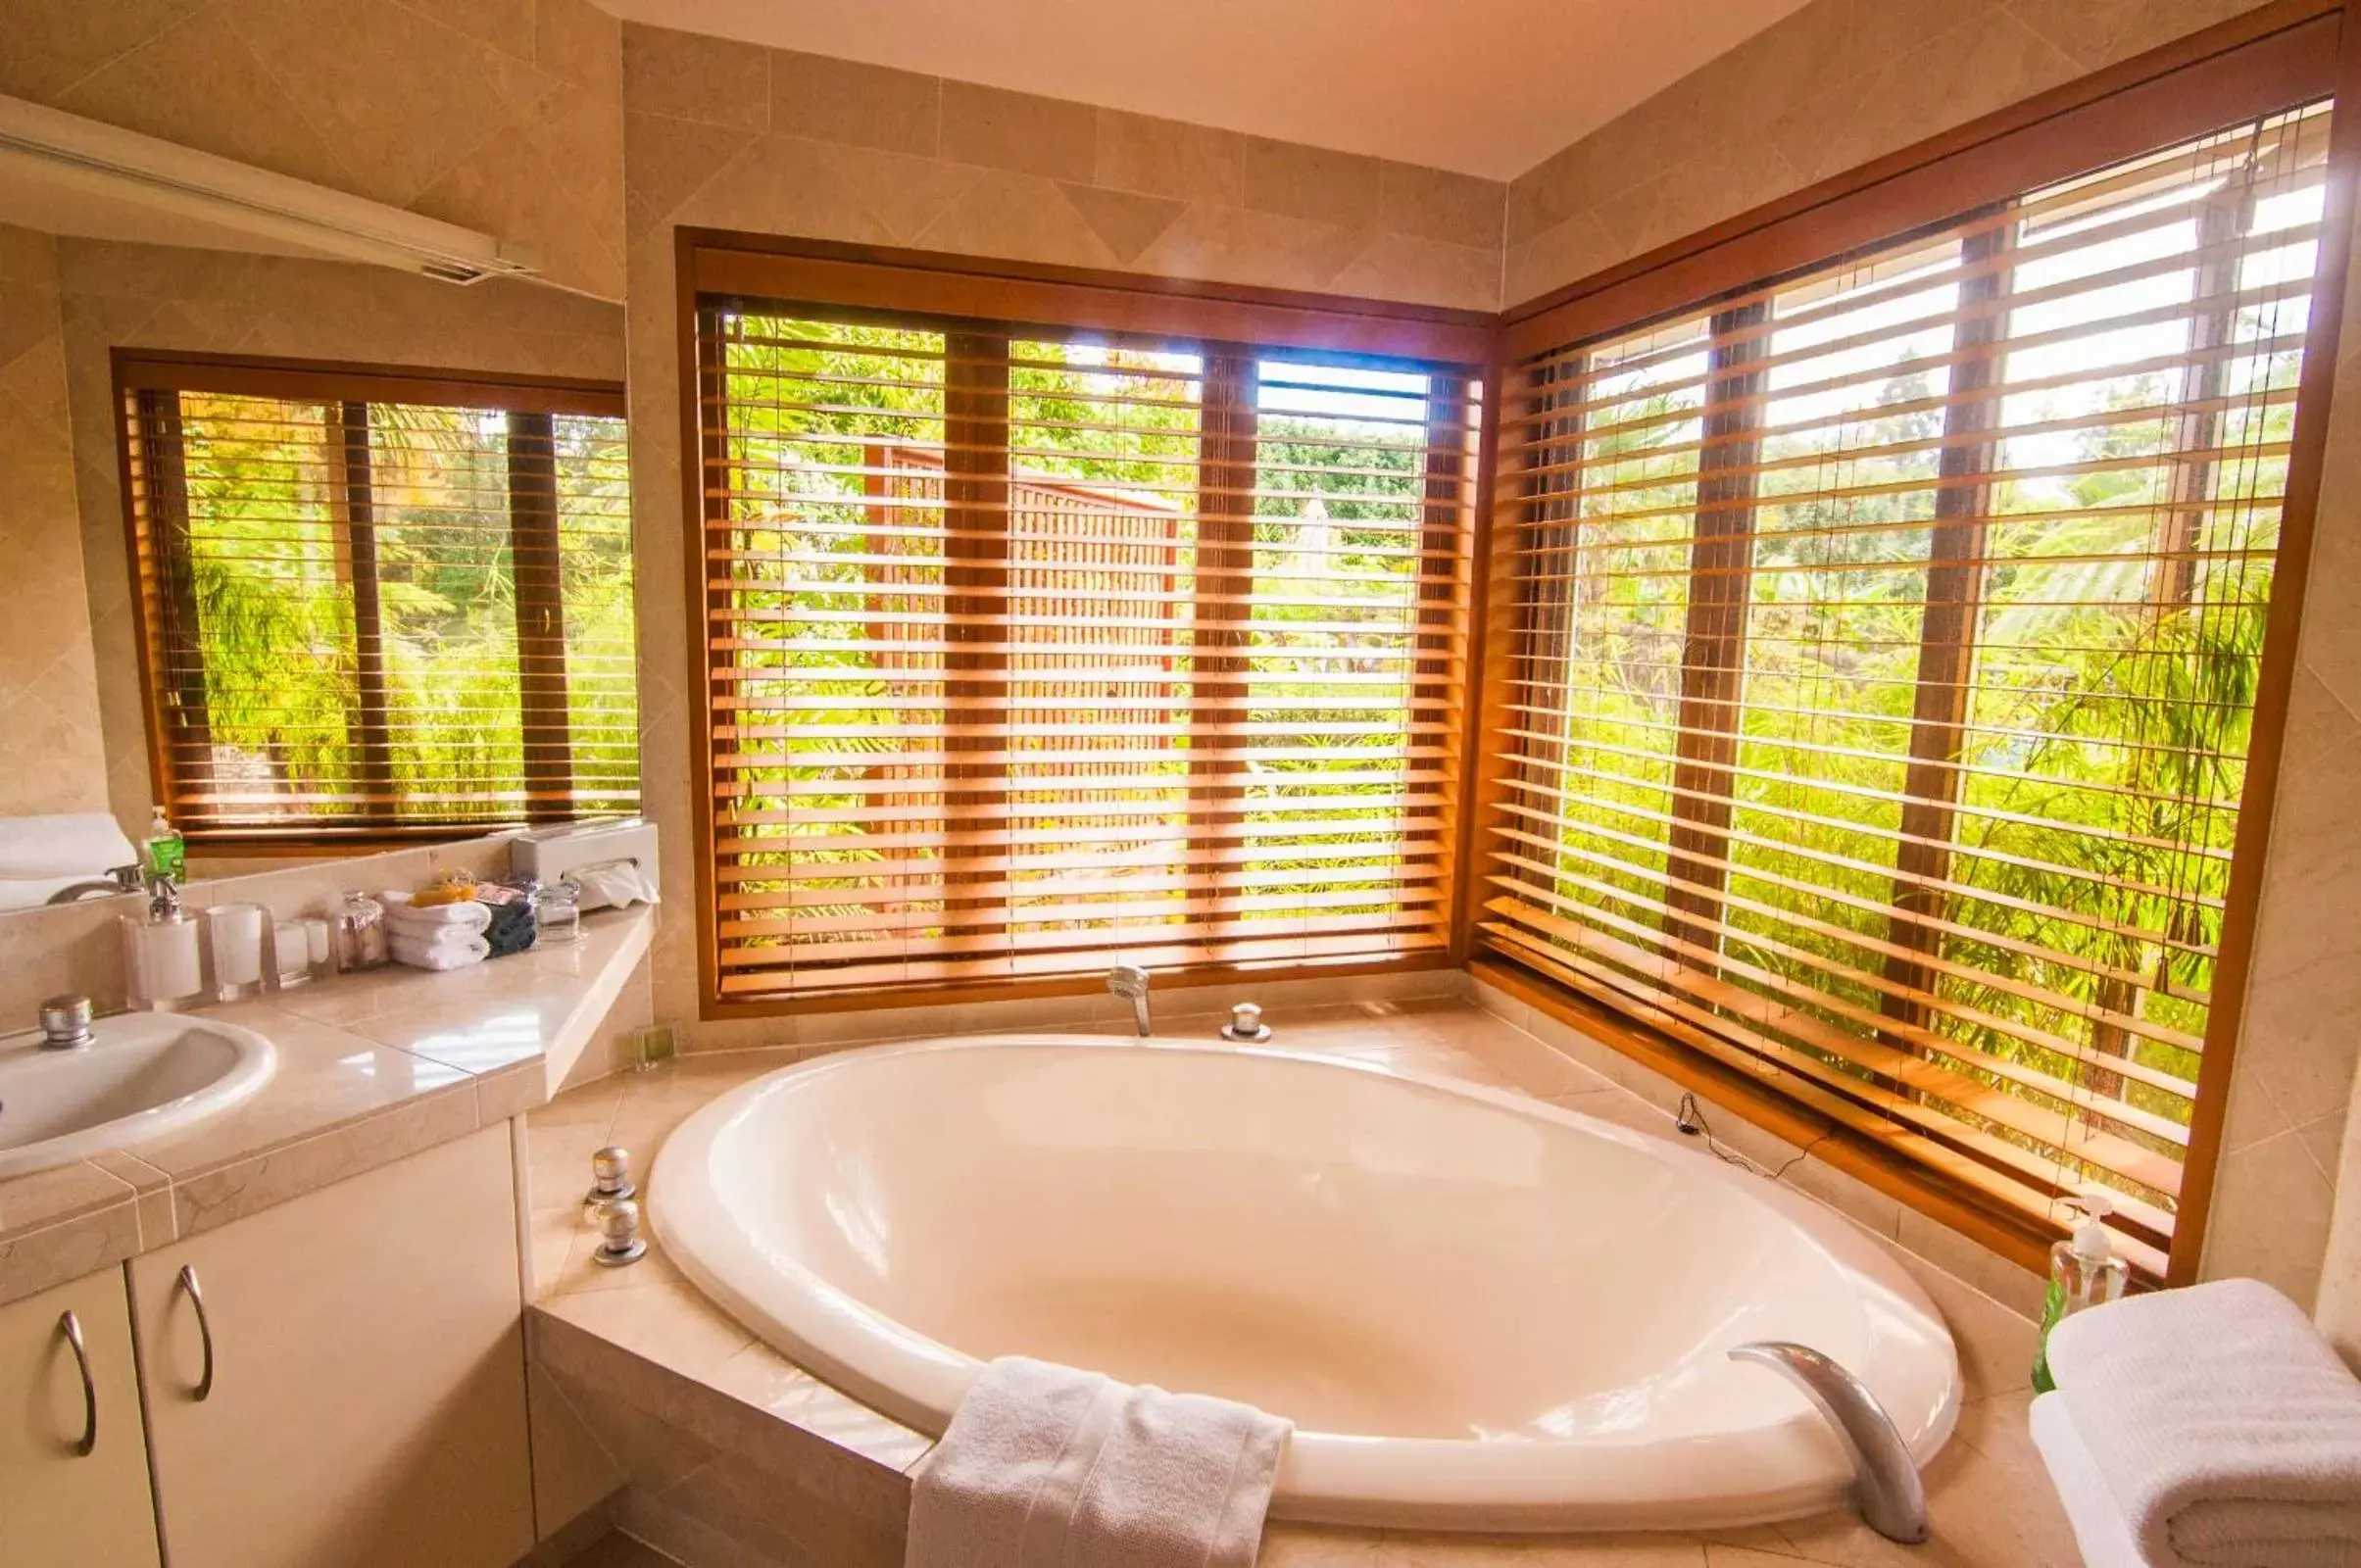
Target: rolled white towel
[2226, 1429]
[66, 846]
[455, 951]
[458, 938]
[1043, 1463]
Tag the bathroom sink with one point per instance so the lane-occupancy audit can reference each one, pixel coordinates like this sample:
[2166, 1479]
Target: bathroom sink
[142, 1075]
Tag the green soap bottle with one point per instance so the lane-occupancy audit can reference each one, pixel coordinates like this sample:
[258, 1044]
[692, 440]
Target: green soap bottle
[2083, 1271]
[166, 851]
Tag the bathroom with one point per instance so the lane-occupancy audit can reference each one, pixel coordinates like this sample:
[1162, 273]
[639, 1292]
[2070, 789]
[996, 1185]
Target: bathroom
[1575, 554]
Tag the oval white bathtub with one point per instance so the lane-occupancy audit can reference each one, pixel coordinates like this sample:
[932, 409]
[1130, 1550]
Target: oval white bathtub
[1479, 1311]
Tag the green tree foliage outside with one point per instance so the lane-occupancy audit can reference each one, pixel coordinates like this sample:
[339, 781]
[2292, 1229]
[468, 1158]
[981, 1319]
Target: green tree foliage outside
[2112, 686]
[272, 570]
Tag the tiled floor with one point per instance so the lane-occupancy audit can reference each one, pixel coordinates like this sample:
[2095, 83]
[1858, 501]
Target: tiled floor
[614, 1549]
[1989, 1497]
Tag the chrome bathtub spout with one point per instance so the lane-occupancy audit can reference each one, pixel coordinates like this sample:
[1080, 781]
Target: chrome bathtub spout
[1886, 1487]
[1130, 982]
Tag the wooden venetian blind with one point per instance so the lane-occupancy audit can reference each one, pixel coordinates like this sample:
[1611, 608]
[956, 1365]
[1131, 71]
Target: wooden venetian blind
[379, 606]
[1033, 650]
[1881, 655]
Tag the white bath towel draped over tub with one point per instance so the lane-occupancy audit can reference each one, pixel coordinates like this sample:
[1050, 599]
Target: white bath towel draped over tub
[1045, 1466]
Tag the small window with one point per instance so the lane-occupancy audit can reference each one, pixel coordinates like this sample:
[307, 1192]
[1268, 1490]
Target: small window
[380, 606]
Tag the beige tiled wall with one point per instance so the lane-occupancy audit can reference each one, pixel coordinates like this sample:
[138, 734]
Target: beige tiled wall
[1829, 88]
[136, 296]
[52, 749]
[731, 135]
[500, 115]
[725, 135]
[1841, 83]
[2291, 1145]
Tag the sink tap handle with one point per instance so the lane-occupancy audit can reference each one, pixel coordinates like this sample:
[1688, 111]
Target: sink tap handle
[66, 1022]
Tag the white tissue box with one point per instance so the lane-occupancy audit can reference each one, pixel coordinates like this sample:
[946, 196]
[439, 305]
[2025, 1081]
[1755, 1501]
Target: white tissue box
[613, 861]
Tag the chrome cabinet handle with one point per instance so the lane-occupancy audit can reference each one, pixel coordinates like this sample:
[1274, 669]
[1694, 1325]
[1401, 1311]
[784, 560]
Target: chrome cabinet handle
[196, 1298]
[72, 1327]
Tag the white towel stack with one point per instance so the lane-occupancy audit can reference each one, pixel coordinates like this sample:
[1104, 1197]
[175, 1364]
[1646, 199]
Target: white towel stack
[2205, 1428]
[1044, 1464]
[442, 936]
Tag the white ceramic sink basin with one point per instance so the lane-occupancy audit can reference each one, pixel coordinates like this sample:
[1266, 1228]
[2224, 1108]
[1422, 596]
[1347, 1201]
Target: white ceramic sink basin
[143, 1075]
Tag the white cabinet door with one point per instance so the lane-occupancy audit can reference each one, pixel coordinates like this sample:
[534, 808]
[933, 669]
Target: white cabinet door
[61, 1507]
[367, 1398]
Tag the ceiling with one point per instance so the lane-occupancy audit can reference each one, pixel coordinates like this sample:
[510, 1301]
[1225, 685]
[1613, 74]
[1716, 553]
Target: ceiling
[1486, 87]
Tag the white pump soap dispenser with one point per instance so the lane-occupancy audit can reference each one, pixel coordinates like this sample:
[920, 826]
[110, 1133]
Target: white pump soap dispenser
[162, 963]
[2083, 1271]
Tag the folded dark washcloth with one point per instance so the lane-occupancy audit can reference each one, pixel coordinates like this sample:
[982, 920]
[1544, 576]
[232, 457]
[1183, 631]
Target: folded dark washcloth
[512, 928]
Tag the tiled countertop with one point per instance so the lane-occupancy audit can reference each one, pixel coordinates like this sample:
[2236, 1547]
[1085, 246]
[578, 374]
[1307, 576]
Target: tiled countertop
[372, 1068]
[715, 1431]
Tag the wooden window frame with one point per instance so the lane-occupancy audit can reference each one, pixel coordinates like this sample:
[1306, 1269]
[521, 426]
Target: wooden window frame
[1713, 643]
[823, 276]
[148, 442]
[1947, 638]
[2270, 59]
[541, 674]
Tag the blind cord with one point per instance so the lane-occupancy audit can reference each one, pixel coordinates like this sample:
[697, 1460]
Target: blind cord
[1691, 1119]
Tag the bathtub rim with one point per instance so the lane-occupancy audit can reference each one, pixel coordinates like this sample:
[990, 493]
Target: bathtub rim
[1343, 1478]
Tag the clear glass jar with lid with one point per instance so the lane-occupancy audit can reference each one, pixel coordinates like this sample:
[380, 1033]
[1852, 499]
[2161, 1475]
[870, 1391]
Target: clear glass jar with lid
[558, 913]
[361, 934]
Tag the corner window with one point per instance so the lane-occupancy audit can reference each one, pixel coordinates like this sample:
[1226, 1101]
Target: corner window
[1882, 661]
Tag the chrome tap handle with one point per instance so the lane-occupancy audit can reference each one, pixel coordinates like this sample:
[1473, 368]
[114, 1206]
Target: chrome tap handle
[1246, 1026]
[610, 1175]
[620, 1240]
[1885, 1479]
[66, 1022]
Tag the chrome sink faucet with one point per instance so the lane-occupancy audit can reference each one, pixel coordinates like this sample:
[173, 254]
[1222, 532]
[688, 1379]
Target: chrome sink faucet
[1130, 981]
